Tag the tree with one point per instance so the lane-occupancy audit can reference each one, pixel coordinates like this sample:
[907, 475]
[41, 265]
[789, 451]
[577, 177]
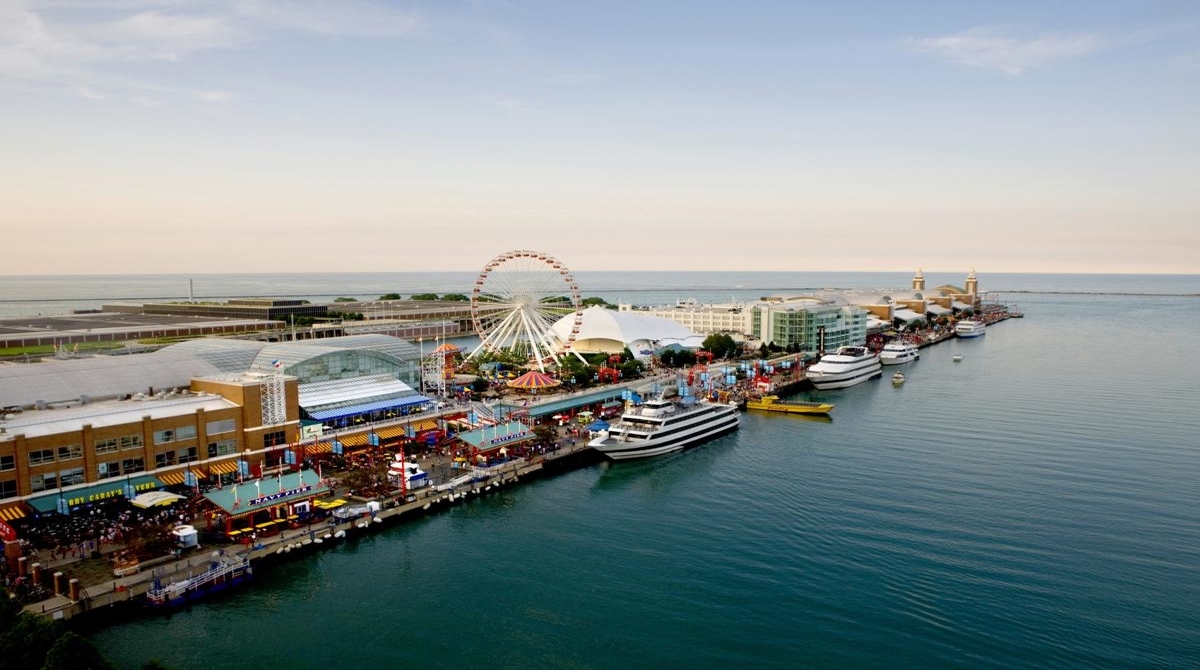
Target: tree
[722, 345]
[456, 297]
[75, 652]
[25, 641]
[588, 302]
[344, 299]
[424, 296]
[390, 296]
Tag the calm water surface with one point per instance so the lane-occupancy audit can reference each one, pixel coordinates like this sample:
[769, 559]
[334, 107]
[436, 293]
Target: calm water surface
[1035, 505]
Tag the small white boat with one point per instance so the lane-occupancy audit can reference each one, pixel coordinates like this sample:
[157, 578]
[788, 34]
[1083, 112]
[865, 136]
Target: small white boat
[898, 378]
[958, 357]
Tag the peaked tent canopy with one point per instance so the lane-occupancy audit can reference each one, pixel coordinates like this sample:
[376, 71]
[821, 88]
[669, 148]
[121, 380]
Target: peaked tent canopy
[533, 380]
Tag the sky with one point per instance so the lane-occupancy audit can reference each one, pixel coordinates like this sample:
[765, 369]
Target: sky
[183, 136]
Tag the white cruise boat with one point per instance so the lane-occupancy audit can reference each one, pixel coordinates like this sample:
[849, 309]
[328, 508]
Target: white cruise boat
[662, 426]
[845, 367]
[897, 352]
[969, 328]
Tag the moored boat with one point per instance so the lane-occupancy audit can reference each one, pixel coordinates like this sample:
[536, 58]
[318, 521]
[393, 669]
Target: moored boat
[662, 426]
[970, 328]
[845, 367]
[223, 572]
[772, 403]
[897, 352]
[898, 378]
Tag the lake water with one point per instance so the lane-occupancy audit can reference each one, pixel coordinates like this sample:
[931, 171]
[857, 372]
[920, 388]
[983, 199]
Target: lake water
[1035, 505]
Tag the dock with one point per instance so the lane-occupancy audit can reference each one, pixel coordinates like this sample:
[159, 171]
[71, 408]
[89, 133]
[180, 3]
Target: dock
[74, 600]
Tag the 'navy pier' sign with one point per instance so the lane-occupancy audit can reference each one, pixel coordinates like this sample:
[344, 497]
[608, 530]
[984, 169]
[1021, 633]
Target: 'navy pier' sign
[282, 494]
[508, 438]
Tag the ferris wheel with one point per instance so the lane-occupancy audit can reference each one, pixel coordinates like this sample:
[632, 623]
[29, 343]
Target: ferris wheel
[518, 297]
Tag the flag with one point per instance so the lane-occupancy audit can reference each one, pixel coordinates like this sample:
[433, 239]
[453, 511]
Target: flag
[275, 363]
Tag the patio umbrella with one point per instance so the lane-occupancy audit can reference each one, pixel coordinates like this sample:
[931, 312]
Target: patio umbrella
[533, 380]
[155, 498]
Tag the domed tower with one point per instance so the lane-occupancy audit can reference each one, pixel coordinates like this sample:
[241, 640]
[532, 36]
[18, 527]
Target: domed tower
[918, 281]
[972, 286]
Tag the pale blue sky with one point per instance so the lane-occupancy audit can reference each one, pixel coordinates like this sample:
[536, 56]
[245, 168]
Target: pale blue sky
[243, 135]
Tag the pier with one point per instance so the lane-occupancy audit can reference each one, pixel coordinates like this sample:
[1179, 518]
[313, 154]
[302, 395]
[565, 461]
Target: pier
[72, 599]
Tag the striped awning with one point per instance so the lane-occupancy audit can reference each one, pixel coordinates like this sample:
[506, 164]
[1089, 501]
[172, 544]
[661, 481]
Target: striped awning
[11, 511]
[176, 477]
[224, 467]
[319, 448]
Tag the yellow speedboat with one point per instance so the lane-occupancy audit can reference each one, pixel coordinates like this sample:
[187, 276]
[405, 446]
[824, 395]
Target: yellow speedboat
[772, 403]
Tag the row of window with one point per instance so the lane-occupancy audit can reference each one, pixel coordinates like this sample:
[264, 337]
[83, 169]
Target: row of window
[126, 466]
[126, 442]
[53, 480]
[181, 456]
[175, 434]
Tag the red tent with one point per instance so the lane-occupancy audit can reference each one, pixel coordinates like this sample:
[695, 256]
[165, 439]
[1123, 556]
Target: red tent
[533, 380]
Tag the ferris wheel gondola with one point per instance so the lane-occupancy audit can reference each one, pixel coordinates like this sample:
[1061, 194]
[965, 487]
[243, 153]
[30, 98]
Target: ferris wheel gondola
[517, 299]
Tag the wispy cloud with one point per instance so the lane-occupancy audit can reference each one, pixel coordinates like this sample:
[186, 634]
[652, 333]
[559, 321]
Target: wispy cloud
[78, 46]
[991, 49]
[212, 96]
[348, 17]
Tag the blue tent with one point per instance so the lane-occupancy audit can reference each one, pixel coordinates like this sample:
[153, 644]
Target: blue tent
[598, 425]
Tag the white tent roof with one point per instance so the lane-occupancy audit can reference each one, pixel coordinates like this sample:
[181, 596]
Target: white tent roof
[608, 330]
[959, 305]
[907, 315]
[934, 308]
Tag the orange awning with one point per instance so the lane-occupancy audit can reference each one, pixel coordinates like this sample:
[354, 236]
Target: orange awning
[224, 467]
[11, 512]
[319, 448]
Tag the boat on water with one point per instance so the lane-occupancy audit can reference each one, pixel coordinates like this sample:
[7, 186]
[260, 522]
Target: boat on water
[772, 403]
[663, 425]
[970, 328]
[898, 378]
[845, 367]
[958, 358]
[222, 573]
[897, 352]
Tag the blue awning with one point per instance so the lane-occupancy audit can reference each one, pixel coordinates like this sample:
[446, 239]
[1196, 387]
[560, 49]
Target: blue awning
[351, 410]
[110, 488]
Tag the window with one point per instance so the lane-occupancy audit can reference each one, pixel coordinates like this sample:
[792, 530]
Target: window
[164, 459]
[8, 489]
[131, 442]
[185, 433]
[188, 455]
[43, 482]
[71, 476]
[274, 439]
[109, 469]
[106, 446]
[222, 448]
[222, 426]
[70, 453]
[164, 436]
[132, 465]
[41, 456]
[8, 463]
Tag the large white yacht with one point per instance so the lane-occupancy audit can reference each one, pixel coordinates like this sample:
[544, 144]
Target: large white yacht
[969, 328]
[897, 352]
[845, 367]
[662, 426]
